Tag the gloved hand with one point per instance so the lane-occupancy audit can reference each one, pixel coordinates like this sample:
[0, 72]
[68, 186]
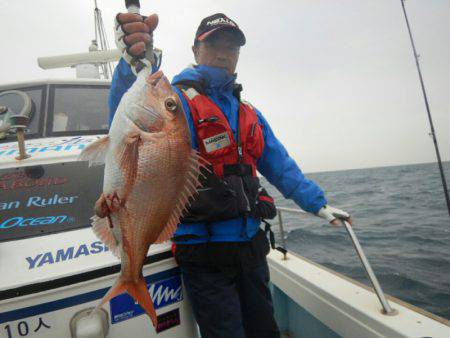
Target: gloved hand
[265, 205]
[332, 214]
[134, 37]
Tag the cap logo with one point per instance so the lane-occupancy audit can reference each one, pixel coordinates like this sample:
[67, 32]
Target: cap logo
[219, 21]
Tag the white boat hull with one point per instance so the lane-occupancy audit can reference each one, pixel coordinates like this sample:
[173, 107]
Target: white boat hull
[312, 301]
[56, 307]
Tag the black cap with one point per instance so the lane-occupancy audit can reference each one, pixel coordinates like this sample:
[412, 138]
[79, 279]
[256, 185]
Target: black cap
[217, 22]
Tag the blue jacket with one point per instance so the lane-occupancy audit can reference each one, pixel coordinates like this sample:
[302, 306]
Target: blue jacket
[275, 164]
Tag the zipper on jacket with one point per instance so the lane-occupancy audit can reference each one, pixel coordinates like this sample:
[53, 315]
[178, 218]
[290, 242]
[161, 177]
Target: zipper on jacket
[247, 202]
[252, 132]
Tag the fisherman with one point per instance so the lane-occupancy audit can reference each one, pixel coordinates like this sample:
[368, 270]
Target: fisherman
[220, 247]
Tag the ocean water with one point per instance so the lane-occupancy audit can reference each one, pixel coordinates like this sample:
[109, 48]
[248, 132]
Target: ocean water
[401, 220]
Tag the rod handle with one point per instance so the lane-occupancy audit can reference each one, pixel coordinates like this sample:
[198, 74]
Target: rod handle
[133, 6]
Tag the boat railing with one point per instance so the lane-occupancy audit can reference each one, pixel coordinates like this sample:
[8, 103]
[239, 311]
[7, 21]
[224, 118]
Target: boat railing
[386, 308]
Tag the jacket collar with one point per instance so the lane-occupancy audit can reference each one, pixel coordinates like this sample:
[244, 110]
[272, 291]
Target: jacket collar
[212, 78]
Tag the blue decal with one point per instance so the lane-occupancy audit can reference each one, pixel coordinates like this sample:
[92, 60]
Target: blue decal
[62, 255]
[38, 201]
[32, 261]
[32, 150]
[47, 259]
[163, 293]
[30, 221]
[96, 295]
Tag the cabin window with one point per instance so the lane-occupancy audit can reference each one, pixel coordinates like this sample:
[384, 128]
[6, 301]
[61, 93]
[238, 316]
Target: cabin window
[78, 110]
[37, 95]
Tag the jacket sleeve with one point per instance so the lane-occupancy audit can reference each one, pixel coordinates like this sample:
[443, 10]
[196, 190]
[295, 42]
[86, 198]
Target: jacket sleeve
[122, 80]
[282, 171]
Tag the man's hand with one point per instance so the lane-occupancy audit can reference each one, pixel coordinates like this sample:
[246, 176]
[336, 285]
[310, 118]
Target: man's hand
[333, 215]
[134, 37]
[101, 208]
[107, 204]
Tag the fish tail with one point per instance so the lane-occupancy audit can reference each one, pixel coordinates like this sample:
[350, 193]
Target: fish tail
[136, 289]
[116, 289]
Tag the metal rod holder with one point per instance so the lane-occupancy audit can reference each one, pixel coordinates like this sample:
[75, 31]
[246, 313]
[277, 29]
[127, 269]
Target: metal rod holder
[21, 141]
[283, 240]
[387, 310]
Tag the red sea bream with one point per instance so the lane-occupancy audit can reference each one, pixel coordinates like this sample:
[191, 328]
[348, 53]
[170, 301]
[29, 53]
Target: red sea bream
[151, 171]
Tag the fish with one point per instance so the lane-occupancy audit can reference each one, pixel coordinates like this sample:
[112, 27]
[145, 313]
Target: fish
[151, 175]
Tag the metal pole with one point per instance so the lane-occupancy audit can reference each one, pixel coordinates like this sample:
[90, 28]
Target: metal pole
[370, 274]
[280, 224]
[433, 134]
[101, 39]
[21, 140]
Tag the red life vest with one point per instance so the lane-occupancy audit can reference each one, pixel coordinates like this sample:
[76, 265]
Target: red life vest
[216, 141]
[232, 189]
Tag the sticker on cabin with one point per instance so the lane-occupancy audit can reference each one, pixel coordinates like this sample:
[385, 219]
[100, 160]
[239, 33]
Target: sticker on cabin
[56, 145]
[65, 254]
[167, 320]
[49, 198]
[216, 142]
[163, 292]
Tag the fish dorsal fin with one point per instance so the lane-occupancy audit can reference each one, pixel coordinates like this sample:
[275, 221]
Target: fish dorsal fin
[196, 162]
[95, 152]
[102, 229]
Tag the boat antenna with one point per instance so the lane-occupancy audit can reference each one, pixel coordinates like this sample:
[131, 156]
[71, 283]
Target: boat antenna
[427, 106]
[100, 37]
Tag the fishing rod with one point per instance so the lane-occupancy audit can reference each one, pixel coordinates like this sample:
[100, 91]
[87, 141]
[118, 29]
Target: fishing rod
[433, 133]
[133, 6]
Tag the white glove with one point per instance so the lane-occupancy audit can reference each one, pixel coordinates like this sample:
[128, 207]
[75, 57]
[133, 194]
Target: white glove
[330, 213]
[134, 38]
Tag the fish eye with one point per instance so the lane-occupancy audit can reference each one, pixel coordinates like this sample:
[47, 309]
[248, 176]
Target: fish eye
[171, 105]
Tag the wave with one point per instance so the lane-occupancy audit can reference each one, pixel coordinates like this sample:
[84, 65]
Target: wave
[401, 221]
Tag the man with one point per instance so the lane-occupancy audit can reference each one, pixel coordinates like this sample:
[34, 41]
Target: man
[220, 247]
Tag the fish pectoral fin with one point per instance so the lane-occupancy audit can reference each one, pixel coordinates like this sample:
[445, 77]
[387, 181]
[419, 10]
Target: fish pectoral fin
[102, 229]
[128, 158]
[95, 152]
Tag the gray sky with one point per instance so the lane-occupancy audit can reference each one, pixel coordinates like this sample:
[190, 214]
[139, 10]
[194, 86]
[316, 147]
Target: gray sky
[336, 79]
